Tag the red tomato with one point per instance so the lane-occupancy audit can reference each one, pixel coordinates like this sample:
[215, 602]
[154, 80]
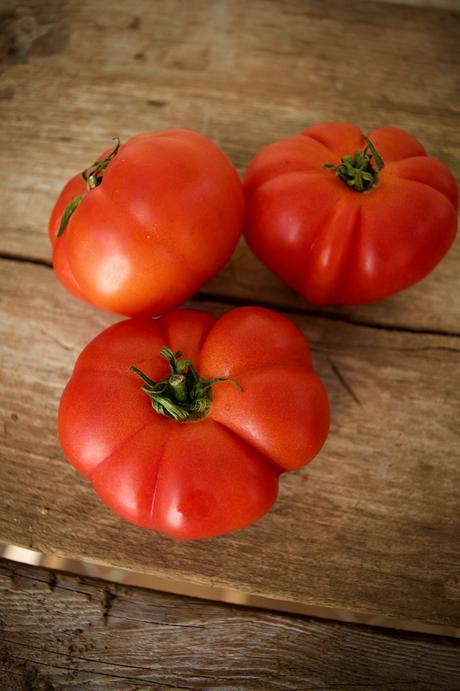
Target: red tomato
[161, 216]
[218, 471]
[353, 232]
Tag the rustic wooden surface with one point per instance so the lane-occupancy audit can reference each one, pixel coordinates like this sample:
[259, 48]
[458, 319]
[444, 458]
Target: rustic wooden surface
[244, 73]
[64, 632]
[370, 528]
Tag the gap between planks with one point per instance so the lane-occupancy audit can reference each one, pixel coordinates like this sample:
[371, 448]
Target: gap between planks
[234, 301]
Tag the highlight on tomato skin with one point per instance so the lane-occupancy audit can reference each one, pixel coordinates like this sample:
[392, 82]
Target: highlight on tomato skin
[345, 218]
[184, 423]
[141, 230]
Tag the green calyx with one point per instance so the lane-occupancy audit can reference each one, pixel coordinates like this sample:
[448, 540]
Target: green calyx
[357, 170]
[93, 178]
[183, 396]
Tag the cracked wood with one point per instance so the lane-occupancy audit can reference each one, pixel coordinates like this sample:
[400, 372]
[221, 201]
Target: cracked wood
[61, 631]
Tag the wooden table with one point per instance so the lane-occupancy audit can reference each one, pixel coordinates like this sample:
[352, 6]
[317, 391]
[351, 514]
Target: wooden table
[369, 532]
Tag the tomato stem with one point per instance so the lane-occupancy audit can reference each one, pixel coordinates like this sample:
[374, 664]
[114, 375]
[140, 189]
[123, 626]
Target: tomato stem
[93, 178]
[183, 395]
[179, 384]
[357, 170]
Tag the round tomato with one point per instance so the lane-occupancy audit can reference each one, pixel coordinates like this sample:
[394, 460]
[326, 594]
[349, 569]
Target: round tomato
[184, 423]
[147, 224]
[347, 219]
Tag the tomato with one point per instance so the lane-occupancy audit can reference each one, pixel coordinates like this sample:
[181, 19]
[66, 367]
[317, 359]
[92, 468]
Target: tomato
[148, 223]
[168, 442]
[346, 219]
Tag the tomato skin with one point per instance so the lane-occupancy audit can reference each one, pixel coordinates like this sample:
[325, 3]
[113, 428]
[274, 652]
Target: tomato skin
[191, 480]
[165, 218]
[335, 245]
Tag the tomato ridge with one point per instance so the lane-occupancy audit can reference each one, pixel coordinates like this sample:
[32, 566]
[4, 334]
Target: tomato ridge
[310, 380]
[274, 365]
[406, 178]
[118, 447]
[157, 476]
[347, 269]
[99, 371]
[277, 469]
[315, 172]
[318, 140]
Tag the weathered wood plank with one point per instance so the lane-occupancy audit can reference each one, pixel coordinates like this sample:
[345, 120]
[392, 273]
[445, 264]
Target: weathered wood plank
[68, 632]
[244, 74]
[368, 528]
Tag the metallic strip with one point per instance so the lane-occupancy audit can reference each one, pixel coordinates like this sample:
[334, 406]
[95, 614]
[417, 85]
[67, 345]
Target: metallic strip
[217, 593]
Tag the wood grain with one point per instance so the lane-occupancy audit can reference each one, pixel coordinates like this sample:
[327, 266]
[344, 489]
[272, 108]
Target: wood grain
[369, 527]
[243, 73]
[61, 631]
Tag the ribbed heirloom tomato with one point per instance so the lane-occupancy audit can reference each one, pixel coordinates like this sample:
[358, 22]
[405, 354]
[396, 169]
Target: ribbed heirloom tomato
[183, 424]
[346, 219]
[146, 225]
